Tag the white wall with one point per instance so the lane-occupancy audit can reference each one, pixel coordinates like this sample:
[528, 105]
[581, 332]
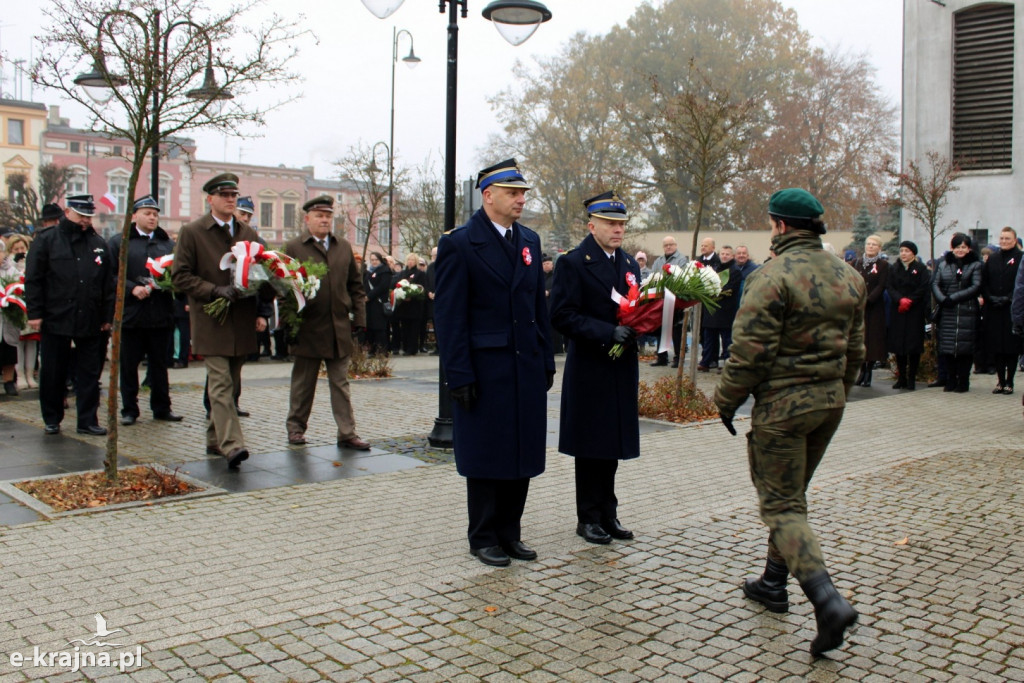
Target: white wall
[986, 199]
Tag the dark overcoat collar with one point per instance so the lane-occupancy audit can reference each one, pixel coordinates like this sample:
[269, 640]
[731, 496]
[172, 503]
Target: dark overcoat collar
[492, 253]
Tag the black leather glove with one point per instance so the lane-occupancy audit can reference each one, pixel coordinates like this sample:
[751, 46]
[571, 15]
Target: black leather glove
[1018, 330]
[551, 379]
[465, 396]
[623, 334]
[225, 292]
[948, 302]
[727, 421]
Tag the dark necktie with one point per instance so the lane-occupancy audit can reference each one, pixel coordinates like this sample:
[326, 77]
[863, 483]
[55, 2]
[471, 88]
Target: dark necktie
[508, 235]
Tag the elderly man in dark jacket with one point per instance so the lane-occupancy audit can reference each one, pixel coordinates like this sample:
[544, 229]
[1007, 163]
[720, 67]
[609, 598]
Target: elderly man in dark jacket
[69, 294]
[148, 321]
[998, 277]
[599, 418]
[197, 272]
[492, 332]
[326, 331]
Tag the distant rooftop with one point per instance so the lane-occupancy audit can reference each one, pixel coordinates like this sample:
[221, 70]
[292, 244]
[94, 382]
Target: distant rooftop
[21, 103]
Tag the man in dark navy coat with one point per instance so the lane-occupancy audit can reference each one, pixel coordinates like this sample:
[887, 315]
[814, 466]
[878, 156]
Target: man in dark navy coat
[492, 332]
[599, 418]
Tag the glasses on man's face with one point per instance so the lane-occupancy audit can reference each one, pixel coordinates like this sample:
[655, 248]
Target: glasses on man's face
[228, 195]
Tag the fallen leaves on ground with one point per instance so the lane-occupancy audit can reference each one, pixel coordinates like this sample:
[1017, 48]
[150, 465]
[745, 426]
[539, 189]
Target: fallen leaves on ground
[668, 399]
[93, 489]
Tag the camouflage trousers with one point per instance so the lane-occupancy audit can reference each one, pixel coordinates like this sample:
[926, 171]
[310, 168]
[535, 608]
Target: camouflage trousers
[783, 457]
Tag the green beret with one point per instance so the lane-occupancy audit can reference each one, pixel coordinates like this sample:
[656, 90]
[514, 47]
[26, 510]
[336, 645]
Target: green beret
[219, 182]
[794, 202]
[322, 203]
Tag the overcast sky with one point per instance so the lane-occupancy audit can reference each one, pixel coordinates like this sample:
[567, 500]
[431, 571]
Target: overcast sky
[347, 86]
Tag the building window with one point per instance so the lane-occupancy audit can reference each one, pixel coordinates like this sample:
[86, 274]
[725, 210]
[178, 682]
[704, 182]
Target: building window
[266, 214]
[119, 188]
[78, 183]
[289, 217]
[15, 132]
[75, 147]
[362, 229]
[165, 191]
[384, 232]
[983, 87]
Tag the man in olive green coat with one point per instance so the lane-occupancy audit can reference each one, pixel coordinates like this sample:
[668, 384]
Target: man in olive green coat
[326, 331]
[196, 272]
[797, 346]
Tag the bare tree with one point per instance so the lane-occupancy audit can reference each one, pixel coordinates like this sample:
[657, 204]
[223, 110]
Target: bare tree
[423, 208]
[24, 208]
[708, 131]
[359, 167]
[924, 192]
[151, 70]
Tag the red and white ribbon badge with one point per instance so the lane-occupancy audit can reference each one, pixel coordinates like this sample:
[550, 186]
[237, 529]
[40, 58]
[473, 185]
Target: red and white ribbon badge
[11, 295]
[159, 266]
[527, 257]
[241, 257]
[631, 279]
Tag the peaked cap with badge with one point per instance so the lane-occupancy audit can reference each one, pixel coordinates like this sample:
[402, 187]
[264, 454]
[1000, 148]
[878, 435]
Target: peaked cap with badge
[606, 205]
[246, 204]
[224, 181]
[322, 203]
[146, 202]
[82, 204]
[503, 174]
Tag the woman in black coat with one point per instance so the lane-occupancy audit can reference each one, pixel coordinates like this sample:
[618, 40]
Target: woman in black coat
[956, 286]
[409, 312]
[377, 283]
[874, 269]
[909, 288]
[999, 274]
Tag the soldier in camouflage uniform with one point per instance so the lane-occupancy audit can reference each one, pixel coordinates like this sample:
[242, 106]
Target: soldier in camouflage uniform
[798, 344]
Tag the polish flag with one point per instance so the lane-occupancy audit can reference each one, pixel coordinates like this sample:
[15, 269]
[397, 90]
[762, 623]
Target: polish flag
[108, 200]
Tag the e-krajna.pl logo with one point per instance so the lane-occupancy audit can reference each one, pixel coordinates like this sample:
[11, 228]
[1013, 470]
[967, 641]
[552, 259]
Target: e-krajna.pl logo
[76, 658]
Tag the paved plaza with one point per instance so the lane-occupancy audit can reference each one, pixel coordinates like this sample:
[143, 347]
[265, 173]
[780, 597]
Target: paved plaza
[325, 565]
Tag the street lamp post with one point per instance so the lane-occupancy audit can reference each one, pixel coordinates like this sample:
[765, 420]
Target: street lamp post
[99, 83]
[516, 20]
[375, 169]
[412, 60]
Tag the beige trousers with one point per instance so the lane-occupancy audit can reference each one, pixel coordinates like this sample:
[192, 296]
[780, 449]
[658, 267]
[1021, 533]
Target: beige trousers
[304, 379]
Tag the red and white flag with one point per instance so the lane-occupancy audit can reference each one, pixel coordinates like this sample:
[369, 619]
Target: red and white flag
[109, 200]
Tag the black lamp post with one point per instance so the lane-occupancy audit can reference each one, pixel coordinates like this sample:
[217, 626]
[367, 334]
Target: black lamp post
[100, 82]
[516, 20]
[412, 60]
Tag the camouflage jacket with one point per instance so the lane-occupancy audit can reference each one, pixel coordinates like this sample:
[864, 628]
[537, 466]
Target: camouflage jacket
[798, 339]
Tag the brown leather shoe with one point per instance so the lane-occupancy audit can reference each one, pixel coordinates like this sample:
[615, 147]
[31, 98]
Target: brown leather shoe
[236, 456]
[296, 438]
[354, 443]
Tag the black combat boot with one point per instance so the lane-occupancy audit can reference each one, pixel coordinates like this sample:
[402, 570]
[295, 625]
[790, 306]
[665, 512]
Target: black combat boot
[833, 613]
[770, 588]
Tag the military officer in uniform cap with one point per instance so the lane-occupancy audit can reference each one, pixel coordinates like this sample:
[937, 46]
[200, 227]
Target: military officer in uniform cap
[244, 209]
[326, 331]
[599, 422]
[148, 321]
[492, 331]
[69, 292]
[797, 346]
[197, 273]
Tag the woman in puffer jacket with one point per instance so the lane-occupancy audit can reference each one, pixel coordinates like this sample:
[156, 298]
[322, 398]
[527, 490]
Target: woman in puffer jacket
[956, 286]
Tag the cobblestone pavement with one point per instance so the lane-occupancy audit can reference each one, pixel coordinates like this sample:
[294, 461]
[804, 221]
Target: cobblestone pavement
[918, 506]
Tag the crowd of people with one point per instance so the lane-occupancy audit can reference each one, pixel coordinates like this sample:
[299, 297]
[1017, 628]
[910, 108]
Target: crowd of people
[503, 308]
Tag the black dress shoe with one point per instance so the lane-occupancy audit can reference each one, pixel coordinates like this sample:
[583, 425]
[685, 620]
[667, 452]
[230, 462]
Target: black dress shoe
[519, 551]
[52, 429]
[236, 457]
[128, 420]
[492, 555]
[242, 413]
[93, 430]
[937, 383]
[593, 533]
[616, 530]
[168, 417]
